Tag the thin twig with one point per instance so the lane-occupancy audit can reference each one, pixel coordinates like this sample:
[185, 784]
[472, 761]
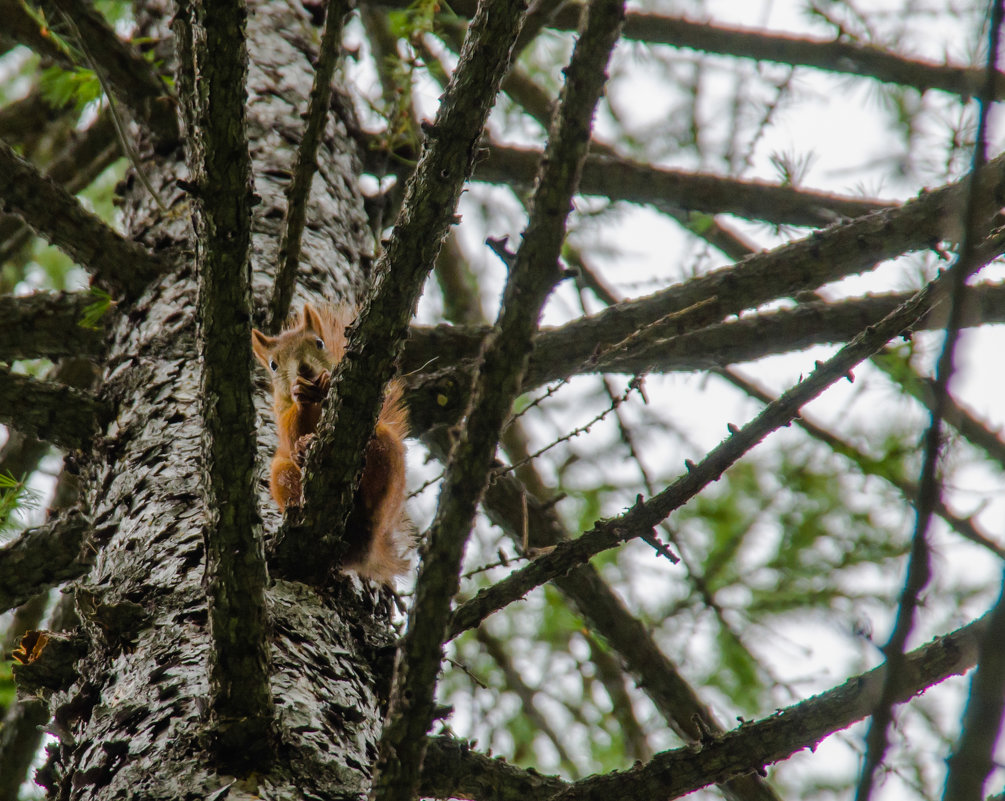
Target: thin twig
[299, 188]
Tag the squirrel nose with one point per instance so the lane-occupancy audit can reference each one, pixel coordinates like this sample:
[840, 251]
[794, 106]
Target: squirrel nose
[306, 371]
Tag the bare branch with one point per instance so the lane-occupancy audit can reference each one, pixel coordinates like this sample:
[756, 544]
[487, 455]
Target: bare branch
[41, 558]
[47, 325]
[869, 466]
[673, 190]
[972, 761]
[299, 188]
[663, 348]
[752, 746]
[52, 412]
[841, 55]
[215, 53]
[452, 769]
[56, 215]
[572, 349]
[506, 502]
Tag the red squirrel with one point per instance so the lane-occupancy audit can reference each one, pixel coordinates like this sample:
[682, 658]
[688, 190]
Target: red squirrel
[300, 361]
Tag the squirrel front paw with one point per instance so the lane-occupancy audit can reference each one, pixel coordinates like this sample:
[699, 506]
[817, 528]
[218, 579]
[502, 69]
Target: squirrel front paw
[308, 392]
[300, 447]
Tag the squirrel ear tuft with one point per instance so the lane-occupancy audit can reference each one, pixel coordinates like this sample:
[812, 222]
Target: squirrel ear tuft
[261, 345]
[311, 319]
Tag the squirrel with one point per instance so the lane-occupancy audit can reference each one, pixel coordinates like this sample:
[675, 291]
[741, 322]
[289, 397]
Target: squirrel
[300, 361]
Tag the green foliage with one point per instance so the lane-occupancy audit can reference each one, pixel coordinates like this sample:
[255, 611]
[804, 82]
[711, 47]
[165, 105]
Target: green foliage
[415, 20]
[8, 692]
[14, 496]
[95, 311]
[79, 87]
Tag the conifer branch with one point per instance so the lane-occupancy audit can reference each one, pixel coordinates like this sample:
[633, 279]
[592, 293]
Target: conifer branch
[746, 749]
[56, 413]
[972, 761]
[53, 213]
[85, 156]
[25, 30]
[510, 506]
[921, 387]
[968, 262]
[670, 190]
[755, 745]
[47, 325]
[453, 769]
[663, 348]
[41, 558]
[557, 354]
[121, 67]
[842, 55]
[868, 466]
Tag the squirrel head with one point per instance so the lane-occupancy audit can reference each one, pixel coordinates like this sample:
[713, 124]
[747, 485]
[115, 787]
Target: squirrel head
[313, 343]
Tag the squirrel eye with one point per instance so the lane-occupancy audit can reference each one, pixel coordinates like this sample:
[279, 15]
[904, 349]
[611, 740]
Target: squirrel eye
[272, 365]
[320, 343]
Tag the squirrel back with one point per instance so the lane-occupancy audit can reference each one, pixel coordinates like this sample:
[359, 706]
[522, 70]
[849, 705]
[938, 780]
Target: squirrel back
[300, 361]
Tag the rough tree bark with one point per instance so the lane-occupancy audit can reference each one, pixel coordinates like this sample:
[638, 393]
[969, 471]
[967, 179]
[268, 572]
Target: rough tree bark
[133, 721]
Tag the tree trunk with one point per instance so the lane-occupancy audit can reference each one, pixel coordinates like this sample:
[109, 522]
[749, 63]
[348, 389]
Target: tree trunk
[133, 722]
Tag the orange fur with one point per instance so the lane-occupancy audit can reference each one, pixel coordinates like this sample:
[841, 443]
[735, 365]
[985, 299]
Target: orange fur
[300, 361]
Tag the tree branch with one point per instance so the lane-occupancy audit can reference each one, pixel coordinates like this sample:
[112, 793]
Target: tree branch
[968, 262]
[215, 53]
[131, 76]
[803, 725]
[452, 769]
[56, 413]
[47, 325]
[558, 354]
[831, 55]
[663, 348]
[86, 155]
[510, 506]
[959, 417]
[504, 359]
[19, 25]
[872, 467]
[349, 415]
[840, 55]
[53, 213]
[840, 250]
[43, 557]
[299, 188]
[973, 759]
[672, 190]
